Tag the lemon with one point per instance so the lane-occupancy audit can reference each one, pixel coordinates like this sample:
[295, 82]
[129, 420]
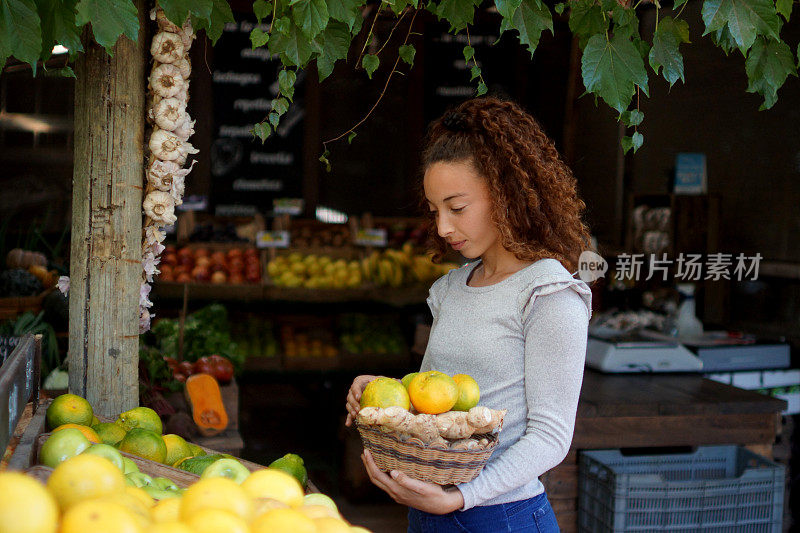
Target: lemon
[84, 477]
[134, 505]
[328, 524]
[262, 505]
[69, 409]
[283, 520]
[141, 495]
[94, 515]
[275, 484]
[166, 510]
[170, 527]
[385, 392]
[216, 493]
[177, 449]
[25, 505]
[217, 521]
[469, 393]
[144, 443]
[140, 417]
[61, 446]
[318, 511]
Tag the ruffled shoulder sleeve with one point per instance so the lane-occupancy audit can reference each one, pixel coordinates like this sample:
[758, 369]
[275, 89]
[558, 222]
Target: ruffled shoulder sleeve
[553, 277]
[439, 289]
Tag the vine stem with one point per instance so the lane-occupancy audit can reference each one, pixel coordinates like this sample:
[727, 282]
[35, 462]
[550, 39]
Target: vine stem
[474, 61]
[369, 35]
[380, 97]
[681, 10]
[403, 14]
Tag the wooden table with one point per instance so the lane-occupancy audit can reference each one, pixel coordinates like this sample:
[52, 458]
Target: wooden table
[651, 410]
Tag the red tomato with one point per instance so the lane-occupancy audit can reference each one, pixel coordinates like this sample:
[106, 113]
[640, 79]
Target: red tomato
[185, 367]
[203, 366]
[222, 367]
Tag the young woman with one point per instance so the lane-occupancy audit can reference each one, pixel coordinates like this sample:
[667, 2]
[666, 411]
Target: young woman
[516, 320]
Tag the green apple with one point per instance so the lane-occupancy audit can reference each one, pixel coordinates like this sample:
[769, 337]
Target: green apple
[128, 465]
[159, 494]
[109, 452]
[227, 467]
[62, 445]
[317, 498]
[140, 479]
[163, 483]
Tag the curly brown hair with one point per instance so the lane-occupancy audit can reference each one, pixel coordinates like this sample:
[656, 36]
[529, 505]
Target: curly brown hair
[536, 205]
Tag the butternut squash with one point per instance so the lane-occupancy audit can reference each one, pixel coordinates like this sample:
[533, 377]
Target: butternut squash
[205, 399]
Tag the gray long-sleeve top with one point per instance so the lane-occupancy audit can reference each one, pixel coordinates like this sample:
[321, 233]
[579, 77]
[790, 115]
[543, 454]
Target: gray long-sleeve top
[524, 341]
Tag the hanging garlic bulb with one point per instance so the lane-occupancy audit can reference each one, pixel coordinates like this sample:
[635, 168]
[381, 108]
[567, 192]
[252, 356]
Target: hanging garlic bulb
[184, 66]
[169, 114]
[160, 207]
[153, 235]
[162, 174]
[150, 265]
[167, 146]
[166, 80]
[177, 189]
[164, 23]
[186, 129]
[167, 47]
[144, 320]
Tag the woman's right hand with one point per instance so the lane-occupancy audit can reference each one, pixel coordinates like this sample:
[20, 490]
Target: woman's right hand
[353, 404]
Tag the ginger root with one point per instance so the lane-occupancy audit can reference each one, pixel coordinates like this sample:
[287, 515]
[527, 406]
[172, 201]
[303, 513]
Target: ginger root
[453, 425]
[485, 420]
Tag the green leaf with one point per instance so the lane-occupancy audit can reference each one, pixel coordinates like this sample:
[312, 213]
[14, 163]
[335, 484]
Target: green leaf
[178, 10]
[282, 25]
[784, 7]
[109, 20]
[665, 51]
[459, 13]
[641, 46]
[20, 32]
[370, 63]
[768, 64]
[678, 4]
[469, 53]
[63, 72]
[612, 70]
[221, 14]
[262, 130]
[586, 18]
[506, 8]
[346, 11]
[293, 46]
[634, 142]
[482, 89]
[559, 7]
[724, 39]
[625, 21]
[530, 19]
[274, 119]
[334, 43]
[632, 118]
[280, 106]
[311, 16]
[683, 30]
[324, 160]
[351, 137]
[475, 72]
[286, 80]
[746, 19]
[262, 9]
[58, 26]
[407, 53]
[258, 37]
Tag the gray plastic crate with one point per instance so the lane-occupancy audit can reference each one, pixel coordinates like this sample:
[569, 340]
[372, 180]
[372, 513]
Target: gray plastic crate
[716, 488]
[19, 383]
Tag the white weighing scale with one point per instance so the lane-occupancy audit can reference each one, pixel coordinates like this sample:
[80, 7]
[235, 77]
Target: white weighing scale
[611, 351]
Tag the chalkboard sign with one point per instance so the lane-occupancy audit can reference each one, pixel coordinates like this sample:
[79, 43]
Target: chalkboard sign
[447, 76]
[246, 174]
[7, 345]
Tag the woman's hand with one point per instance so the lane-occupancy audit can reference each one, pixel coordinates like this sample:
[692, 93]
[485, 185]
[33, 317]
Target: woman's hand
[427, 497]
[353, 404]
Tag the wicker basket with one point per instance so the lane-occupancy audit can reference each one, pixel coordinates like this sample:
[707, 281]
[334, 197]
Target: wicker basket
[443, 467]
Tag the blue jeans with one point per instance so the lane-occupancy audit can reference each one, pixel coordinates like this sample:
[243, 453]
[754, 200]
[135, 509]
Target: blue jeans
[533, 515]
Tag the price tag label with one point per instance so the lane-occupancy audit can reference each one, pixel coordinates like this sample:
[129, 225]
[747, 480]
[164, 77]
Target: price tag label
[194, 202]
[288, 206]
[371, 237]
[272, 239]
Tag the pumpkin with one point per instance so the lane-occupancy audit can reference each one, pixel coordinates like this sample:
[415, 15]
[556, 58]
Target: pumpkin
[205, 399]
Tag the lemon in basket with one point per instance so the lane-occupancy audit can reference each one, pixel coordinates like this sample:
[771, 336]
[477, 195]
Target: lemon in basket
[385, 392]
[433, 392]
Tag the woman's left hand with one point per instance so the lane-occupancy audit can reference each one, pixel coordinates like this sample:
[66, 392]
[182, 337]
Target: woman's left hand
[427, 497]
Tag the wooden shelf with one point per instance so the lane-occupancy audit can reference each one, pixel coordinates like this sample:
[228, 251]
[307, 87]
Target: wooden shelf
[397, 297]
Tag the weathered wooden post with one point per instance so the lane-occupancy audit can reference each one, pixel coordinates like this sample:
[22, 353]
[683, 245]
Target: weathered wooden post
[105, 267]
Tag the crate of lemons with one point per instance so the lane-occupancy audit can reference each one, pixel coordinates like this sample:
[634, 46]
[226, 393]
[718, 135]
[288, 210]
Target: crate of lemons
[94, 488]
